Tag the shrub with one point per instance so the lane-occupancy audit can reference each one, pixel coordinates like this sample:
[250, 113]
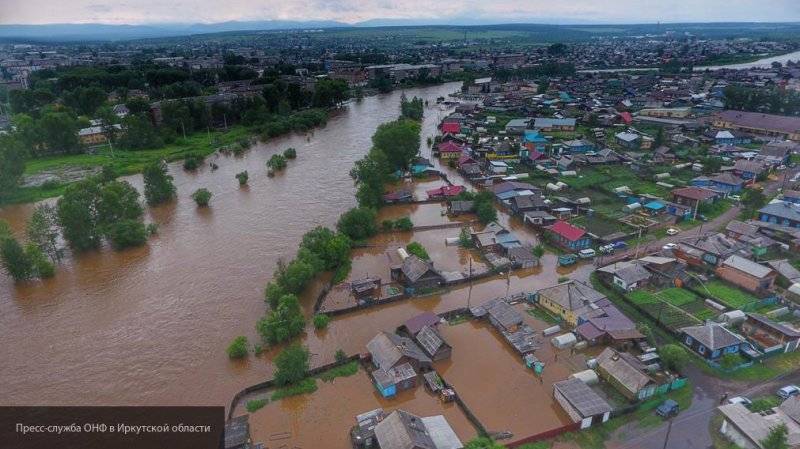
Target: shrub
[387, 225]
[290, 153]
[340, 356]
[192, 162]
[307, 385]
[291, 365]
[202, 196]
[243, 178]
[403, 224]
[673, 356]
[127, 233]
[276, 162]
[321, 321]
[152, 229]
[238, 348]
[418, 250]
[538, 251]
[255, 404]
[358, 223]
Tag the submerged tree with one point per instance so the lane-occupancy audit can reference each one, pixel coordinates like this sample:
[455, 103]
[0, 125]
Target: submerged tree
[158, 186]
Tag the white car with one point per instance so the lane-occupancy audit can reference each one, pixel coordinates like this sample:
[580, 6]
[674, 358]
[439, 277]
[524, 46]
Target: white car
[672, 231]
[735, 197]
[669, 246]
[740, 400]
[788, 391]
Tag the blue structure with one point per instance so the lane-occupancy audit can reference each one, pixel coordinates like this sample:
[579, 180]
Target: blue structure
[532, 140]
[725, 183]
[579, 146]
[655, 207]
[781, 213]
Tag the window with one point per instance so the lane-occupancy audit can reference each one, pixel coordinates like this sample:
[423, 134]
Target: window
[701, 349]
[688, 340]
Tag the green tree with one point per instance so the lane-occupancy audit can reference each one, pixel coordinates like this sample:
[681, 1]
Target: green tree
[673, 356]
[77, 215]
[399, 141]
[290, 153]
[85, 100]
[291, 365]
[332, 249]
[139, 134]
[127, 233]
[321, 321]
[15, 261]
[59, 132]
[118, 201]
[729, 361]
[752, 200]
[412, 109]
[283, 322]
[12, 163]
[538, 251]
[238, 348]
[158, 186]
[277, 162]
[202, 197]
[273, 293]
[41, 265]
[295, 276]
[777, 438]
[358, 223]
[243, 177]
[43, 230]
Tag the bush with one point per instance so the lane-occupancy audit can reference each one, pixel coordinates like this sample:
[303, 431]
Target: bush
[387, 225]
[158, 186]
[730, 362]
[255, 404]
[277, 162]
[152, 229]
[321, 321]
[238, 348]
[127, 233]
[243, 178]
[192, 162]
[538, 251]
[290, 153]
[673, 356]
[358, 223]
[305, 386]
[291, 365]
[340, 356]
[202, 196]
[403, 224]
[418, 250]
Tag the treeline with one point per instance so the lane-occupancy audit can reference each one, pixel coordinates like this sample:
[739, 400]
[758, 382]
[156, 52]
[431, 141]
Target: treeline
[395, 145]
[97, 209]
[544, 69]
[413, 109]
[769, 100]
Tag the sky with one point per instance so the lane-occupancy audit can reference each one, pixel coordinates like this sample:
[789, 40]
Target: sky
[351, 11]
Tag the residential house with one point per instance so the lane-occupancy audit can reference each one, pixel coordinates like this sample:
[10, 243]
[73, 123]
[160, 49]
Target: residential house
[396, 360]
[554, 124]
[711, 340]
[527, 203]
[791, 196]
[366, 288]
[538, 218]
[533, 141]
[727, 183]
[495, 238]
[413, 325]
[403, 430]
[569, 300]
[416, 273]
[569, 236]
[450, 150]
[782, 213]
[605, 324]
[747, 274]
[626, 374]
[787, 273]
[399, 196]
[450, 127]
[517, 125]
[628, 140]
[445, 192]
[457, 207]
[582, 404]
[431, 341]
[774, 155]
[578, 146]
[769, 336]
[748, 170]
[627, 275]
[748, 429]
[694, 196]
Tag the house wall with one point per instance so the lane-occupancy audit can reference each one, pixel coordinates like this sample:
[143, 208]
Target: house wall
[574, 415]
[556, 308]
[631, 395]
[736, 436]
[769, 218]
[745, 280]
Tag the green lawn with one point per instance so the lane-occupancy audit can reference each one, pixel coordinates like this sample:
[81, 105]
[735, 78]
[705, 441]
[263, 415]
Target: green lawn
[660, 307]
[677, 296]
[729, 295]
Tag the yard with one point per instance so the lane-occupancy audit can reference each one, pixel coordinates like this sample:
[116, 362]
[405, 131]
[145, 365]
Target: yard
[729, 295]
[662, 307]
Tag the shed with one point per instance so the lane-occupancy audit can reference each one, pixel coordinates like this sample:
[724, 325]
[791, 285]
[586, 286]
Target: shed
[589, 377]
[564, 340]
[581, 403]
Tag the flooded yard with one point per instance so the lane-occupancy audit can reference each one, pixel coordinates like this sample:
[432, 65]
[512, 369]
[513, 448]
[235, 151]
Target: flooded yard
[323, 419]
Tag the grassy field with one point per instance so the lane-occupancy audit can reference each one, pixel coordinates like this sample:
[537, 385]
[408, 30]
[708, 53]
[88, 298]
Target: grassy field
[729, 295]
[677, 296]
[660, 308]
[124, 162]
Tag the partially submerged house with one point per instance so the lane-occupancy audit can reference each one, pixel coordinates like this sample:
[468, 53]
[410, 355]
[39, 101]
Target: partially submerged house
[396, 360]
[605, 324]
[626, 374]
[432, 342]
[403, 430]
[416, 273]
[569, 300]
[582, 404]
[569, 236]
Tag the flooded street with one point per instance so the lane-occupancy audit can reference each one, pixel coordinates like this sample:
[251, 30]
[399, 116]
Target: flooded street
[150, 325]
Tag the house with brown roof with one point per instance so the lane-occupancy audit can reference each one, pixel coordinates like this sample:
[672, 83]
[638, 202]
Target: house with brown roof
[694, 196]
[770, 336]
[747, 274]
[771, 125]
[582, 404]
[416, 273]
[626, 374]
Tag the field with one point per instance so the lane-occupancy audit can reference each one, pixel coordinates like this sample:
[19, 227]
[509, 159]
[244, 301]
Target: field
[608, 178]
[730, 296]
[661, 306]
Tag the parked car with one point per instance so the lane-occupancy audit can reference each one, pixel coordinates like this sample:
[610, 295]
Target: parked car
[620, 245]
[735, 197]
[586, 253]
[567, 259]
[740, 400]
[788, 391]
[668, 409]
[673, 231]
[607, 249]
[669, 246]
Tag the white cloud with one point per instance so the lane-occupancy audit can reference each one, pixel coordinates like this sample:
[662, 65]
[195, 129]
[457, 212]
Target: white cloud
[148, 11]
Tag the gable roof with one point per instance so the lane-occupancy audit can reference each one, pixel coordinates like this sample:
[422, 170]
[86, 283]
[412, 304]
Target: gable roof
[624, 368]
[415, 268]
[430, 340]
[572, 295]
[567, 230]
[416, 323]
[582, 398]
[695, 193]
[712, 336]
[402, 430]
[387, 349]
[747, 266]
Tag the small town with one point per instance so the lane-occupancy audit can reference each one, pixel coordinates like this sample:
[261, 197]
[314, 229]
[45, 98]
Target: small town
[348, 234]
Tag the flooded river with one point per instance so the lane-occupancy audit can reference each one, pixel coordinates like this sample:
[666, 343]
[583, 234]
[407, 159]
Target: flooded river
[150, 325]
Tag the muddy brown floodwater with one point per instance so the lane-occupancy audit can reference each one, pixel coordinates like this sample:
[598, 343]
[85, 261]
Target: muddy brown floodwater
[150, 325]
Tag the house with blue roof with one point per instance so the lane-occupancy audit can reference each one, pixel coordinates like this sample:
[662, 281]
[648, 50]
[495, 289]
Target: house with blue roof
[781, 213]
[579, 146]
[655, 207]
[532, 140]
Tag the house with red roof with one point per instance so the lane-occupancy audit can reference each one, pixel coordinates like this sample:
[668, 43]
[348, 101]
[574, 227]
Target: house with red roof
[568, 236]
[692, 196]
[450, 150]
[626, 117]
[451, 127]
[444, 192]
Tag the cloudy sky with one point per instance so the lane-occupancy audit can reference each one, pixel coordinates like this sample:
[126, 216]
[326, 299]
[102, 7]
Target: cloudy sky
[561, 11]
